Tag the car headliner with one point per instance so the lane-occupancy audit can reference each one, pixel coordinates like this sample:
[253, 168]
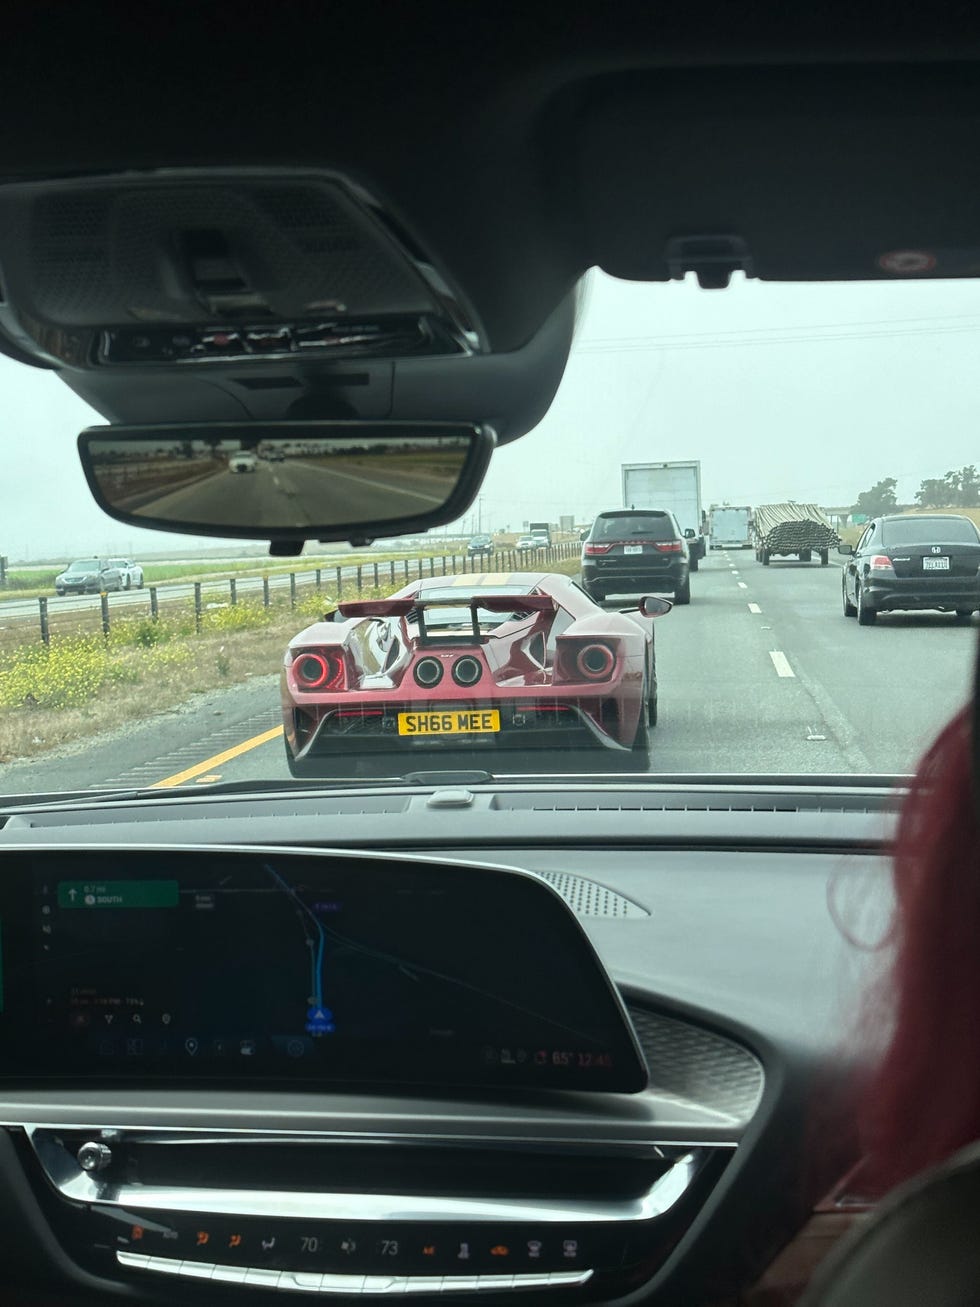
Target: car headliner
[518, 152]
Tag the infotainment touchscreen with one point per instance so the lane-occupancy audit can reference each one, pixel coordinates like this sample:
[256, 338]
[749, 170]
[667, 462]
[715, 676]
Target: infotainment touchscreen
[249, 966]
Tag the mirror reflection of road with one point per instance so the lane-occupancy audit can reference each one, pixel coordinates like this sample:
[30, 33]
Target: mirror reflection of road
[300, 492]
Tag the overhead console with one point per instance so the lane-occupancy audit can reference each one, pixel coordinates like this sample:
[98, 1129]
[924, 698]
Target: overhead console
[223, 294]
[439, 1088]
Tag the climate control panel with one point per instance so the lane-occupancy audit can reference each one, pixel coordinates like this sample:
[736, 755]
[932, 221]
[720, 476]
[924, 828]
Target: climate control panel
[328, 1215]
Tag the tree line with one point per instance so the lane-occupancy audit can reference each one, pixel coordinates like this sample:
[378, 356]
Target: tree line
[957, 489]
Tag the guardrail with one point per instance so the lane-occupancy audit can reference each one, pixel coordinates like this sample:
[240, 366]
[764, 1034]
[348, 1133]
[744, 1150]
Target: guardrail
[53, 617]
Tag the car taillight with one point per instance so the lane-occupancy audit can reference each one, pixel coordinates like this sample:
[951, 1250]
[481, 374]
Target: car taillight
[880, 563]
[596, 549]
[585, 660]
[320, 670]
[669, 546]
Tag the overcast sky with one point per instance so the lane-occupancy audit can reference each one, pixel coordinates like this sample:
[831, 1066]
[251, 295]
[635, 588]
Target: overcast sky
[807, 392]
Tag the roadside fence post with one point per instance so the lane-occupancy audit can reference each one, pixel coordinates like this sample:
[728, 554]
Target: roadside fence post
[265, 592]
[432, 565]
[318, 579]
[197, 607]
[43, 610]
[340, 583]
[104, 602]
[360, 579]
[233, 591]
[154, 604]
[454, 564]
[406, 569]
[391, 566]
[375, 576]
[292, 589]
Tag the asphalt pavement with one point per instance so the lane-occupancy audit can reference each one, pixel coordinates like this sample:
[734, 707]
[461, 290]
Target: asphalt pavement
[760, 673]
[298, 492]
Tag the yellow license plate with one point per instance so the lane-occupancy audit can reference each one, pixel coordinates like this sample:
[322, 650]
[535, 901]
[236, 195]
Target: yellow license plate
[458, 721]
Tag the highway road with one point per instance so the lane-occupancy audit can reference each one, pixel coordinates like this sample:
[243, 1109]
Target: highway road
[300, 491]
[168, 591]
[761, 673]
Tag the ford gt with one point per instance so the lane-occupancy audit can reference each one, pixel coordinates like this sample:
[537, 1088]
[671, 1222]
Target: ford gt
[499, 664]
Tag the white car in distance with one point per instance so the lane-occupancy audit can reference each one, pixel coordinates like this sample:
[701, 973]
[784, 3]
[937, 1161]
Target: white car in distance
[130, 572]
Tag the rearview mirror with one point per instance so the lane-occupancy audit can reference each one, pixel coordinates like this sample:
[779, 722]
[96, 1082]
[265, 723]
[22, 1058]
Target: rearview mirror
[654, 606]
[287, 482]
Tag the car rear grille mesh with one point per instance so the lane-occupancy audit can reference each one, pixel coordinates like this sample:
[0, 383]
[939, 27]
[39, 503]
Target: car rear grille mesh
[691, 1064]
[586, 898]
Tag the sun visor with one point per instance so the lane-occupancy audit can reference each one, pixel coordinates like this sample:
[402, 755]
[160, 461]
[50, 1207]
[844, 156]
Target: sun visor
[809, 174]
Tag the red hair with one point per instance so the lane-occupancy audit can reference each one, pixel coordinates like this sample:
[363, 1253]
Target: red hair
[922, 1102]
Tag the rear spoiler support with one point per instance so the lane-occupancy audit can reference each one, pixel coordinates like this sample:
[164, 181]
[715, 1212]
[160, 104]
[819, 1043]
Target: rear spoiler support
[402, 607]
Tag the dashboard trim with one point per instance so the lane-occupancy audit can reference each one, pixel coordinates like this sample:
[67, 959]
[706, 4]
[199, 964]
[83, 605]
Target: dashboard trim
[81, 1186]
[315, 1282]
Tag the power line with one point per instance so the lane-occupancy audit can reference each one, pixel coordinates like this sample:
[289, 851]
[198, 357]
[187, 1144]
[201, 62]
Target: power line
[757, 336]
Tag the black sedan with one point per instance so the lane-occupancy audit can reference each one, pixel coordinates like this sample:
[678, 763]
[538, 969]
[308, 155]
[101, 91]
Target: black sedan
[913, 561]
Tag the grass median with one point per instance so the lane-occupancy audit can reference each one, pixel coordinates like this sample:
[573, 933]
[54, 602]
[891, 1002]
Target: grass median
[84, 684]
[23, 584]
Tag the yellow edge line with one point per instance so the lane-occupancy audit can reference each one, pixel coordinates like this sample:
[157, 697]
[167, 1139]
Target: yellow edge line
[201, 767]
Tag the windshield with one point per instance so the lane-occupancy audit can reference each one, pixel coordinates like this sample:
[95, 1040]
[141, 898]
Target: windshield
[651, 526]
[926, 530]
[209, 661]
[443, 618]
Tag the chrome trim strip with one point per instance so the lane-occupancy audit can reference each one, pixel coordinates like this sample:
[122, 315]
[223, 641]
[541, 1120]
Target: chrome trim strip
[326, 1282]
[142, 1124]
[64, 1172]
[283, 1204]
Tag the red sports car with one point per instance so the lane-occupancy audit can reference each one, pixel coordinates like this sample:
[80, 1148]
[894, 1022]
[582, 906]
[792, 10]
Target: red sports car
[470, 671]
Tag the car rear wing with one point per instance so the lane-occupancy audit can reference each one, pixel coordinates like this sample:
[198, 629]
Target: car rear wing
[418, 606]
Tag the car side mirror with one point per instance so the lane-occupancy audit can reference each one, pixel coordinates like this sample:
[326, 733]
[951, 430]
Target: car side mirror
[654, 606]
[690, 533]
[846, 550]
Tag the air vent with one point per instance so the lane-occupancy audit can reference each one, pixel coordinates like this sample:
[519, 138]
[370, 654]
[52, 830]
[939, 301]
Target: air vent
[695, 801]
[587, 899]
[692, 1064]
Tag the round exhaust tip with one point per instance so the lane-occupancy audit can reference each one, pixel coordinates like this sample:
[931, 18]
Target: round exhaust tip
[467, 670]
[595, 662]
[428, 672]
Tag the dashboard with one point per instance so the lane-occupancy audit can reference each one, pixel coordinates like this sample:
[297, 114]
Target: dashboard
[528, 1057]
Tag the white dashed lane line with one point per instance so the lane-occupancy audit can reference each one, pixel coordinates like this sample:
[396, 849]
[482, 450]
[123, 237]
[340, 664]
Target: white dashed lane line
[754, 608]
[742, 585]
[781, 663]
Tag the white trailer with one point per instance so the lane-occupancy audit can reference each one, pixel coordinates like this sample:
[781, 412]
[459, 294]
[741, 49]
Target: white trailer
[675, 487]
[729, 527]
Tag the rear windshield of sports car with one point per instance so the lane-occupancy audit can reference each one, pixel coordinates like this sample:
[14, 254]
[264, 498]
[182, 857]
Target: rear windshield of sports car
[621, 526]
[929, 530]
[460, 617]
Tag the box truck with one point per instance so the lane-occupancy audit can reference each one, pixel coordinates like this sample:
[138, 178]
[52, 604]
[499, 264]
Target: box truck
[675, 487]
